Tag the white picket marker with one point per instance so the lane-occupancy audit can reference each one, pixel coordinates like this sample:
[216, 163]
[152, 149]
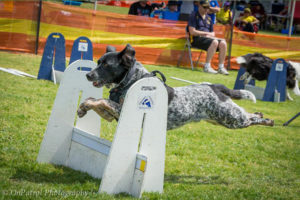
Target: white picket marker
[144, 110]
[56, 145]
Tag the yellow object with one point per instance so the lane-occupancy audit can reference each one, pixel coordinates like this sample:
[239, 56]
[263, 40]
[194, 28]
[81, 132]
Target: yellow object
[248, 19]
[224, 16]
[143, 165]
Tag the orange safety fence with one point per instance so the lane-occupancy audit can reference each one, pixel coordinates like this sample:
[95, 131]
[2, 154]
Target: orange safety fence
[156, 41]
[125, 3]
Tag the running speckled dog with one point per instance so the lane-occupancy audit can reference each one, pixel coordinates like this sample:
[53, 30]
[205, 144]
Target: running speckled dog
[192, 103]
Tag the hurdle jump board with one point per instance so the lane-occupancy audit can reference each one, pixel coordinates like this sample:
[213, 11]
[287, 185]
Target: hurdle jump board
[53, 62]
[82, 49]
[276, 81]
[275, 90]
[144, 110]
[134, 162]
[88, 153]
[57, 145]
[259, 92]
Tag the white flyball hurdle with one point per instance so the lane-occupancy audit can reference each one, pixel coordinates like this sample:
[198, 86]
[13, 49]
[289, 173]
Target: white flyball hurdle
[134, 162]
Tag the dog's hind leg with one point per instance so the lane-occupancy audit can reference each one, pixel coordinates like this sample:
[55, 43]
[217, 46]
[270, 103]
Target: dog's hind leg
[234, 94]
[261, 121]
[288, 96]
[256, 114]
[296, 88]
[107, 109]
[233, 116]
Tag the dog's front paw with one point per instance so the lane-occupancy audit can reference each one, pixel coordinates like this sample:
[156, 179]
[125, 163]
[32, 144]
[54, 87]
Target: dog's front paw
[83, 108]
[81, 112]
[269, 122]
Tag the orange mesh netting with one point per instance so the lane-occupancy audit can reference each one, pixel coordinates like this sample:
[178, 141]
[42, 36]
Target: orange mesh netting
[156, 41]
[124, 3]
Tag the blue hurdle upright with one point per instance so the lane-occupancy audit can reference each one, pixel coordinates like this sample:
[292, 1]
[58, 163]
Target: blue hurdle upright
[82, 50]
[275, 90]
[54, 58]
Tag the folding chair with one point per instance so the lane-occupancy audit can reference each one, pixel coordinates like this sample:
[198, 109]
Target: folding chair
[188, 46]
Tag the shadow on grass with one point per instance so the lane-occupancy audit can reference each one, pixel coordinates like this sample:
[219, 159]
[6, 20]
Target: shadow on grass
[198, 180]
[60, 175]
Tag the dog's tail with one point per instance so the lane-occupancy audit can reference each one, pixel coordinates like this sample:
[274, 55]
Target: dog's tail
[235, 94]
[247, 95]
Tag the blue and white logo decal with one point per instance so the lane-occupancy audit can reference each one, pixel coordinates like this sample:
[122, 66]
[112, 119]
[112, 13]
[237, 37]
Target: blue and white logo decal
[82, 46]
[146, 103]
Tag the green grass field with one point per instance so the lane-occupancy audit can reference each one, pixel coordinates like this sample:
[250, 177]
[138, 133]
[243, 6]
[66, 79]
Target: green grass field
[203, 161]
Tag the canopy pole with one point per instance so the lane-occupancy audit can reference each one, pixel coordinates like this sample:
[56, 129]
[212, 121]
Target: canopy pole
[95, 5]
[292, 18]
[231, 35]
[289, 11]
[38, 27]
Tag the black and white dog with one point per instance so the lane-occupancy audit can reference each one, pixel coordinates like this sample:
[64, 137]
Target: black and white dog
[258, 67]
[211, 102]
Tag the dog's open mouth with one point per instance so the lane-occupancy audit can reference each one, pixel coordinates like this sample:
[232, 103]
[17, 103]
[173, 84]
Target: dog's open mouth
[100, 84]
[97, 84]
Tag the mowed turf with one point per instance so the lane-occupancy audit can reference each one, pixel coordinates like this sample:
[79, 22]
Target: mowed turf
[203, 161]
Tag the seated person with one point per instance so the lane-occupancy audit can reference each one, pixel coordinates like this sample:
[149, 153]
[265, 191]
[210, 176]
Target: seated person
[259, 13]
[253, 3]
[200, 28]
[213, 9]
[157, 6]
[247, 22]
[170, 13]
[225, 15]
[140, 8]
[283, 12]
[186, 9]
[241, 5]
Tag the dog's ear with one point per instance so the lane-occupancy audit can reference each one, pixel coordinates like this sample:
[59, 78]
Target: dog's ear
[110, 49]
[127, 56]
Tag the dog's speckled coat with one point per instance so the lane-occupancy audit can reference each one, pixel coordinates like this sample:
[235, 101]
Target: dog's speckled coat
[192, 103]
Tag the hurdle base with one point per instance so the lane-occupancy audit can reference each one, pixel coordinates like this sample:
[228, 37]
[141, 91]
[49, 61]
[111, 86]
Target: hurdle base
[259, 92]
[88, 153]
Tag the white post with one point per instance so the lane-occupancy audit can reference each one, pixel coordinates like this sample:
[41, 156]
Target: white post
[55, 146]
[144, 110]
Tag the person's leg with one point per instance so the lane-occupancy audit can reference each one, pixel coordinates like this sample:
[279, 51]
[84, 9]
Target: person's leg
[222, 51]
[222, 55]
[248, 28]
[210, 46]
[209, 55]
[211, 50]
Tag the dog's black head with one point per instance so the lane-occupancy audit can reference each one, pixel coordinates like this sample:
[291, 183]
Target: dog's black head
[257, 65]
[112, 66]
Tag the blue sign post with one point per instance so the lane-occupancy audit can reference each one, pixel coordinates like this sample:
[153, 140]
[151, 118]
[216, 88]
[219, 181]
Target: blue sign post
[276, 81]
[54, 56]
